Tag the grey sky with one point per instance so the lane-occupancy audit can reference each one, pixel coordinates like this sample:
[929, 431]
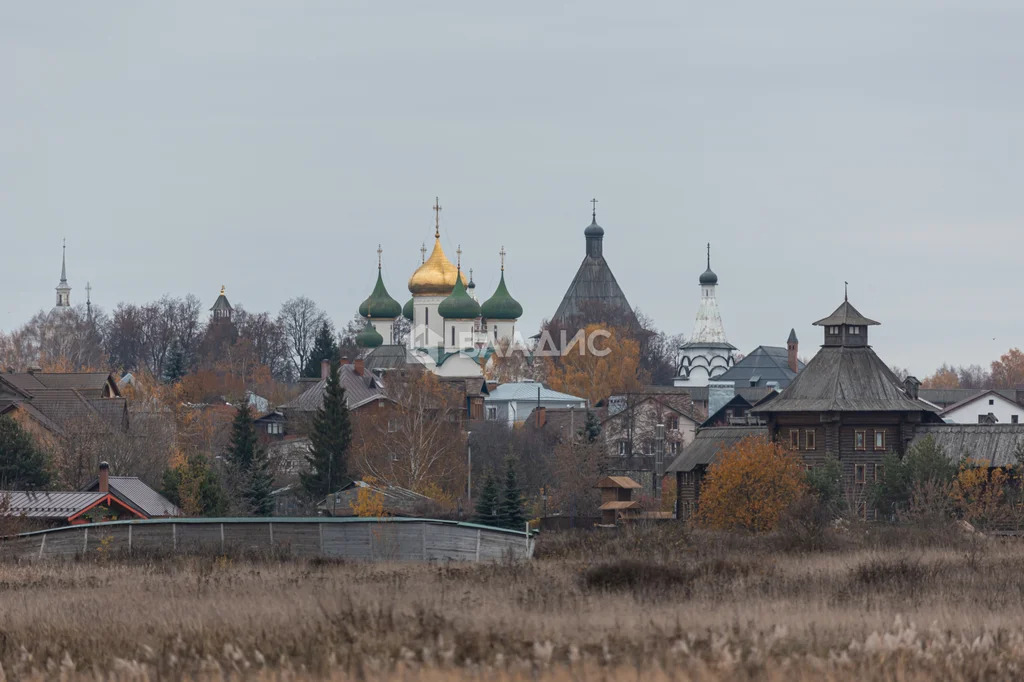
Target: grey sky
[270, 146]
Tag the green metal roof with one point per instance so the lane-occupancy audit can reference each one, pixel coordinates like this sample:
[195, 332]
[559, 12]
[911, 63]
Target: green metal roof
[407, 310]
[501, 306]
[459, 305]
[379, 305]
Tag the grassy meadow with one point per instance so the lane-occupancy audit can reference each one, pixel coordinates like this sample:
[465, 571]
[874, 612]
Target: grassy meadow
[657, 603]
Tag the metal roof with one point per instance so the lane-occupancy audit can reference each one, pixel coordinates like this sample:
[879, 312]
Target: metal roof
[844, 379]
[359, 390]
[944, 397]
[133, 491]
[708, 442]
[977, 396]
[994, 443]
[49, 505]
[527, 390]
[592, 291]
[765, 363]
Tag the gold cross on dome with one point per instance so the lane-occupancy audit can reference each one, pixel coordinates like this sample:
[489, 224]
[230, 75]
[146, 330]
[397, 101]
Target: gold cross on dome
[437, 218]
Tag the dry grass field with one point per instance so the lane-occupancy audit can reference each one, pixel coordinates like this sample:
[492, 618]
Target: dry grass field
[651, 604]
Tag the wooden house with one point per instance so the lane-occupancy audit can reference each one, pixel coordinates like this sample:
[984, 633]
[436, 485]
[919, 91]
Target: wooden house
[847, 404]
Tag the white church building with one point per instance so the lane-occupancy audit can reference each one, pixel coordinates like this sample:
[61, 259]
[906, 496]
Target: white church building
[707, 354]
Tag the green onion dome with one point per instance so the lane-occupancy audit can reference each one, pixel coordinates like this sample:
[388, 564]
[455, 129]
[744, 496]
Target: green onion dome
[369, 337]
[459, 305]
[501, 306]
[407, 311]
[380, 305]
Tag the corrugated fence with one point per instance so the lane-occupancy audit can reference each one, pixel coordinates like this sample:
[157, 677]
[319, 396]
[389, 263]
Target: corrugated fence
[357, 539]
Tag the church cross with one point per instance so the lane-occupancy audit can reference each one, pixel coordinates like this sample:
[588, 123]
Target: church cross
[379, 252]
[437, 218]
[423, 253]
[709, 255]
[458, 259]
[88, 292]
[593, 203]
[502, 252]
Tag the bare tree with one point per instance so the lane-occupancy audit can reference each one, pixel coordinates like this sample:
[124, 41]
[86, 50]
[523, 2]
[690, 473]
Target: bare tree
[300, 318]
[268, 341]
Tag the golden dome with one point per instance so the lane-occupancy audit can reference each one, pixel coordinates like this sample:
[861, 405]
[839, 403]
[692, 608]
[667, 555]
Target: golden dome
[436, 277]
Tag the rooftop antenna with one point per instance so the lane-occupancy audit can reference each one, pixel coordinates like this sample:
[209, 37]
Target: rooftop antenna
[846, 292]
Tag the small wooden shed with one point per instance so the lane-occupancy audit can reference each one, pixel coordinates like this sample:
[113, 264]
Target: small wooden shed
[616, 497]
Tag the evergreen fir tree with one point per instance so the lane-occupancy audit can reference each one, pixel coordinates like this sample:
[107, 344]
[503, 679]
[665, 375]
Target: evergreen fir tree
[249, 464]
[511, 513]
[23, 466]
[210, 498]
[487, 502]
[591, 428]
[329, 441]
[176, 366]
[325, 347]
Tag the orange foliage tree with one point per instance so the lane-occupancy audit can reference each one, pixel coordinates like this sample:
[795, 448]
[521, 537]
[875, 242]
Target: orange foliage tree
[978, 492]
[750, 485]
[944, 377]
[1008, 370]
[613, 368]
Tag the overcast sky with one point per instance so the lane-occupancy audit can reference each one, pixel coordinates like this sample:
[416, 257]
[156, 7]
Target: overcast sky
[269, 146]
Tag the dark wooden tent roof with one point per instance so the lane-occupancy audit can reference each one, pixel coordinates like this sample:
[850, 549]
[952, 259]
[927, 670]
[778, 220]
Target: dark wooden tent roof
[593, 294]
[844, 379]
[707, 443]
[845, 314]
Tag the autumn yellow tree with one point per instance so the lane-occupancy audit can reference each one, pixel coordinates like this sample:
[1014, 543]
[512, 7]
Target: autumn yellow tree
[596, 363]
[944, 377]
[1008, 370]
[978, 492]
[750, 485]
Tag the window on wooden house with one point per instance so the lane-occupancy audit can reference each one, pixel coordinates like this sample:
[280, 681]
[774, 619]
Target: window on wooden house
[859, 473]
[854, 330]
[623, 448]
[809, 439]
[860, 440]
[675, 447]
[879, 440]
[492, 413]
[794, 438]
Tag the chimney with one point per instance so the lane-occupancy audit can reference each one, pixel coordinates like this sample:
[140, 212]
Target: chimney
[325, 368]
[358, 366]
[910, 385]
[542, 416]
[104, 477]
[345, 360]
[35, 370]
[793, 346]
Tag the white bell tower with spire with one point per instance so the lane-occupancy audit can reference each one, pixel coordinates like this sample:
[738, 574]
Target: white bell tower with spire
[707, 354]
[63, 288]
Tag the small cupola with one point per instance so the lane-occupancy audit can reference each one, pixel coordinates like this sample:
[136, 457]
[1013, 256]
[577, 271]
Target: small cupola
[501, 306]
[369, 337]
[594, 235]
[459, 305]
[846, 326]
[379, 305]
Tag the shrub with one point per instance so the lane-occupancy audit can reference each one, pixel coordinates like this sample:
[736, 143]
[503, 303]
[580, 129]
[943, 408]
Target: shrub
[750, 486]
[925, 467]
[978, 493]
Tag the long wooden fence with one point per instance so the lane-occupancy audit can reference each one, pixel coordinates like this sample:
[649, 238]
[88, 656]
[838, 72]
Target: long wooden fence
[356, 539]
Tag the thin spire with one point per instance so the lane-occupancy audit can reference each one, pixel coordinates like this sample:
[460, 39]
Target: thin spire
[437, 218]
[846, 292]
[502, 252]
[709, 255]
[63, 262]
[471, 274]
[379, 252]
[593, 213]
[423, 253]
[88, 293]
[458, 259]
